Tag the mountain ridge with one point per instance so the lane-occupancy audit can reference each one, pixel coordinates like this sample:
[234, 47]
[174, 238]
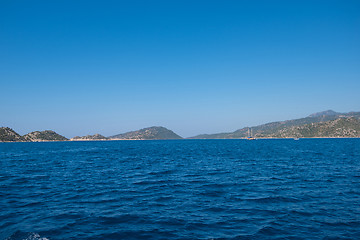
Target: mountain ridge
[268, 130]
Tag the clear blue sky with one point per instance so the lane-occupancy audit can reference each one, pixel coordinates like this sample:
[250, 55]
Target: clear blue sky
[85, 67]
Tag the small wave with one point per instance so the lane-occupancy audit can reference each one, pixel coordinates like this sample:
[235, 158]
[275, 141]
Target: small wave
[162, 173]
[338, 223]
[215, 209]
[164, 198]
[124, 218]
[271, 231]
[26, 236]
[138, 234]
[152, 182]
[277, 199]
[302, 213]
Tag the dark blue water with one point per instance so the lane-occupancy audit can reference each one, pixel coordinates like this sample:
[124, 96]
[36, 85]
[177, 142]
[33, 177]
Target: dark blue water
[186, 189]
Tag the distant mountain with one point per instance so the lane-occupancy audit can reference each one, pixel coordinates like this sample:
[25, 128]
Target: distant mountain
[9, 135]
[148, 134]
[324, 113]
[46, 135]
[274, 129]
[89, 138]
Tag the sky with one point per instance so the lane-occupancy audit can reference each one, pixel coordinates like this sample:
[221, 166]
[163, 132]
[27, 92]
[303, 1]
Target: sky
[108, 67]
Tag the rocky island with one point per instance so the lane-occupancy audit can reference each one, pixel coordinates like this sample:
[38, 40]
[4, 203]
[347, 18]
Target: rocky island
[95, 137]
[47, 135]
[9, 135]
[151, 133]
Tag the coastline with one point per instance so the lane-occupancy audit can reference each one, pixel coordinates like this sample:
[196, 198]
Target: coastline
[107, 140]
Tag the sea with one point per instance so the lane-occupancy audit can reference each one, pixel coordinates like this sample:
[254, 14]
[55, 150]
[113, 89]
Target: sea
[181, 189]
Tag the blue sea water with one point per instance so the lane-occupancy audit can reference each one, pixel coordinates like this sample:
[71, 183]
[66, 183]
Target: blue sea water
[181, 189]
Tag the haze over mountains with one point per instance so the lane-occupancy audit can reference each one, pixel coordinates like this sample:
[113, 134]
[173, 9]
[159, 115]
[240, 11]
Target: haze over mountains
[322, 124]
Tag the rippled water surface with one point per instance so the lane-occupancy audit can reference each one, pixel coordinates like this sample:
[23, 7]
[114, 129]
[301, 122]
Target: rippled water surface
[181, 189]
